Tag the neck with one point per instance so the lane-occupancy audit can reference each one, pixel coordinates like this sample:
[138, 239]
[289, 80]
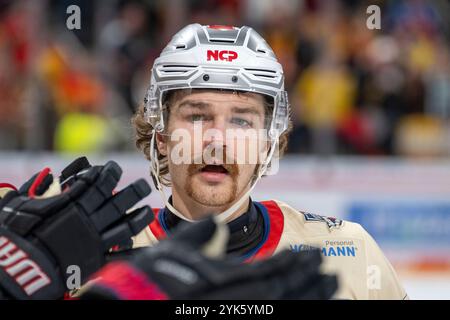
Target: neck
[197, 211]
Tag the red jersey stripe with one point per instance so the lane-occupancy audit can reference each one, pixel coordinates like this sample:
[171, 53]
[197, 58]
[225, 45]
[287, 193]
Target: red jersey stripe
[156, 227]
[276, 220]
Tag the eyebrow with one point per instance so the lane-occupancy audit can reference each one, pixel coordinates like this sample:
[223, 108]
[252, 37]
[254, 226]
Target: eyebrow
[251, 110]
[205, 105]
[194, 104]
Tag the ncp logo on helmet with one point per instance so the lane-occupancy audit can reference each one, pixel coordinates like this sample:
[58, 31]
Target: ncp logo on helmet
[223, 55]
[223, 58]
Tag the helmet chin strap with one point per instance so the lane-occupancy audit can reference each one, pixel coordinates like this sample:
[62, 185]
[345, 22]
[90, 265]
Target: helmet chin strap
[223, 216]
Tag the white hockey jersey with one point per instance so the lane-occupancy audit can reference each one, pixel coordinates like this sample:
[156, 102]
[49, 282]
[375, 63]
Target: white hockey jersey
[349, 251]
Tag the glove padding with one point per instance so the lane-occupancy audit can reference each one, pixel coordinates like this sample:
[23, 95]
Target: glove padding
[177, 268]
[40, 238]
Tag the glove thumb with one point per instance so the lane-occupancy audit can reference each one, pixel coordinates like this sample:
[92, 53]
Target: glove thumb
[208, 236]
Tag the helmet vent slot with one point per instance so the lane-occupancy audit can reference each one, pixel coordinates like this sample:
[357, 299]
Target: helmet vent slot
[221, 41]
[262, 73]
[264, 76]
[175, 69]
[261, 70]
[177, 66]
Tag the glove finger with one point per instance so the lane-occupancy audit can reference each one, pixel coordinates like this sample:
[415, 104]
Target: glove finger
[281, 262]
[234, 271]
[139, 218]
[103, 180]
[275, 278]
[78, 188]
[97, 175]
[129, 226]
[255, 287]
[69, 173]
[195, 235]
[109, 177]
[41, 184]
[116, 206]
[37, 184]
[26, 186]
[298, 276]
[284, 267]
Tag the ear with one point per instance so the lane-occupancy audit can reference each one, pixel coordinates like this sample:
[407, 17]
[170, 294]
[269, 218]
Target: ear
[161, 144]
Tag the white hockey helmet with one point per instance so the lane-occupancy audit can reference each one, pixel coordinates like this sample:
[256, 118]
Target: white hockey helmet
[217, 57]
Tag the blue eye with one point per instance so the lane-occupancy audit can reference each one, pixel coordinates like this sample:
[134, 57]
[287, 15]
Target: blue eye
[241, 122]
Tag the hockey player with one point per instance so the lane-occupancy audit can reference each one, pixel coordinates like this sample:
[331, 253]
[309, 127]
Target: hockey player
[227, 79]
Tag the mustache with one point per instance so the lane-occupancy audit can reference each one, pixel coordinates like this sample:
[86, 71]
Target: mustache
[216, 157]
[212, 155]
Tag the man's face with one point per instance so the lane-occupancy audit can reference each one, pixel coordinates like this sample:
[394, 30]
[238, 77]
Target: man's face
[218, 136]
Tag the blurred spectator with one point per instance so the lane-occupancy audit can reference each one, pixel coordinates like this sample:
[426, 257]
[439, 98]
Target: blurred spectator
[421, 136]
[14, 68]
[352, 90]
[437, 85]
[128, 44]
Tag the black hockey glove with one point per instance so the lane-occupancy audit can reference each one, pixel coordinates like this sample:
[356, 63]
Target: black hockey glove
[68, 176]
[41, 237]
[177, 268]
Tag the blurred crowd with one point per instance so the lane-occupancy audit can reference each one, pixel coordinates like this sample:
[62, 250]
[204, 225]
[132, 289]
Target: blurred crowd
[353, 90]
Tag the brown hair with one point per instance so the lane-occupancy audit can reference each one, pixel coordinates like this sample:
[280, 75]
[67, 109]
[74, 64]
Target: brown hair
[144, 131]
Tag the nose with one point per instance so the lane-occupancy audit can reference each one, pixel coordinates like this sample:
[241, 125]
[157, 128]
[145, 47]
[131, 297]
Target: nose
[216, 133]
[214, 140]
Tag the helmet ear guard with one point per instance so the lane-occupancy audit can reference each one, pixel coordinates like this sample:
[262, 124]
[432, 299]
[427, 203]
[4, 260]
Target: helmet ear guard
[153, 109]
[217, 57]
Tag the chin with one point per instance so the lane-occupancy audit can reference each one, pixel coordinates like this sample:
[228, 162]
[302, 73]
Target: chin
[212, 196]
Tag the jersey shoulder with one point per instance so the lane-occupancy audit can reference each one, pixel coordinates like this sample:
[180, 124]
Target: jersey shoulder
[319, 224]
[348, 249]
